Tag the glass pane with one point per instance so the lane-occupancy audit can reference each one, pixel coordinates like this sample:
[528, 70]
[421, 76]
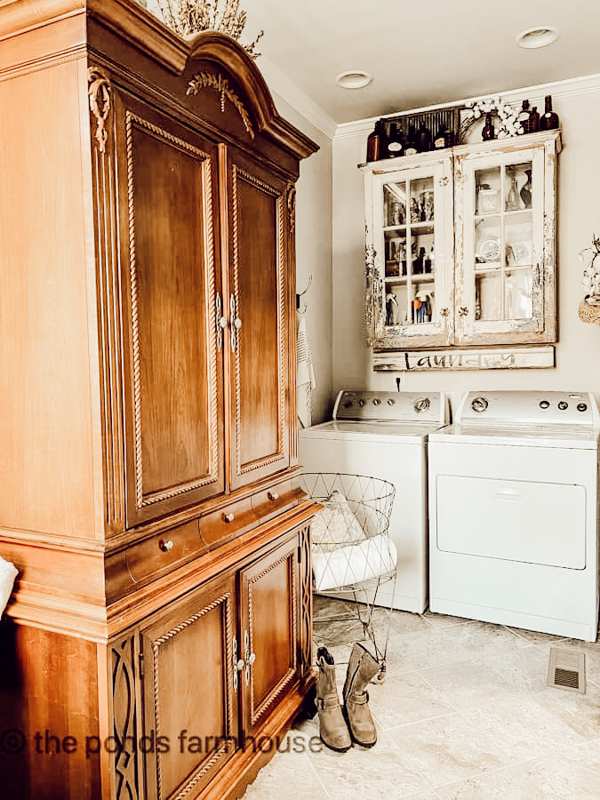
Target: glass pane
[395, 254]
[518, 302]
[519, 242]
[487, 190]
[421, 200]
[517, 186]
[394, 204]
[396, 303]
[488, 240]
[488, 295]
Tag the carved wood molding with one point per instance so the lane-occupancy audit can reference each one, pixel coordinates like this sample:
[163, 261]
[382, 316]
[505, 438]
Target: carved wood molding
[306, 613]
[99, 94]
[142, 500]
[256, 713]
[125, 718]
[211, 80]
[291, 204]
[242, 469]
[225, 601]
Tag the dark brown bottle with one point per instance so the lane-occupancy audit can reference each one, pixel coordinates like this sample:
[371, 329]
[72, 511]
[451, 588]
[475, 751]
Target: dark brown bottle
[549, 119]
[376, 142]
[534, 120]
[525, 116]
[411, 142]
[395, 142]
[488, 128]
[424, 139]
[443, 138]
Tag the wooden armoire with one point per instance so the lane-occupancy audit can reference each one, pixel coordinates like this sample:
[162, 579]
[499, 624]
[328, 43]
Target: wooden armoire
[158, 641]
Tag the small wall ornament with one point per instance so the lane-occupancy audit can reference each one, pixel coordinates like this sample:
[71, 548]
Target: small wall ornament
[589, 308]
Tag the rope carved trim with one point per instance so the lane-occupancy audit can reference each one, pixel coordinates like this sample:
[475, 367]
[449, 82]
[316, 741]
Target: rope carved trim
[99, 91]
[204, 80]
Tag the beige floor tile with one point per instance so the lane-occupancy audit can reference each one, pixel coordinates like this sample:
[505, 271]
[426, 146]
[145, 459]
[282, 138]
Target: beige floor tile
[526, 668]
[510, 784]
[404, 699]
[469, 684]
[443, 620]
[286, 770]
[572, 775]
[536, 637]
[581, 712]
[379, 773]
[483, 639]
[424, 650]
[524, 730]
[445, 750]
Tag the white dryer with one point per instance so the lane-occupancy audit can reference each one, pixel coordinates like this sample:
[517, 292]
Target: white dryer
[513, 512]
[384, 435]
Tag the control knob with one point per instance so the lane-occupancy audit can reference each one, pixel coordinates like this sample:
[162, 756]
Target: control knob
[376, 401]
[391, 401]
[544, 404]
[563, 405]
[422, 404]
[479, 404]
[361, 402]
[582, 407]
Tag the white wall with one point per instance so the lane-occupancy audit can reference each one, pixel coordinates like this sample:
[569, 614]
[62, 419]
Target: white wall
[578, 350]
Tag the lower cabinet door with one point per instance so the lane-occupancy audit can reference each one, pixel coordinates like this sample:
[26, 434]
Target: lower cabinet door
[268, 633]
[190, 705]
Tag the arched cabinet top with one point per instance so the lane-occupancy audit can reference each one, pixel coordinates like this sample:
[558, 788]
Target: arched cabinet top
[156, 43]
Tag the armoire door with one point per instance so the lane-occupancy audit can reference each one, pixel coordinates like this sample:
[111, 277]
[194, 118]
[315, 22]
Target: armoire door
[173, 366]
[269, 632]
[189, 691]
[258, 303]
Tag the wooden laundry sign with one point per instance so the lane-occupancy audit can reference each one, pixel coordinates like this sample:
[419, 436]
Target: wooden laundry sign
[429, 360]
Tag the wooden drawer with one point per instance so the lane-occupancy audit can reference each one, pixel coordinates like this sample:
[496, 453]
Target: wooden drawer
[229, 521]
[270, 502]
[163, 551]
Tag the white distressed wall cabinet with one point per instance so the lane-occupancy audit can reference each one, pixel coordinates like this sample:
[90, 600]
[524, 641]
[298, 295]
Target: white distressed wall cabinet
[460, 246]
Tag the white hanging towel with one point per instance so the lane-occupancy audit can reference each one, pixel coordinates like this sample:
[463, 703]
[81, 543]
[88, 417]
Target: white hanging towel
[305, 380]
[8, 573]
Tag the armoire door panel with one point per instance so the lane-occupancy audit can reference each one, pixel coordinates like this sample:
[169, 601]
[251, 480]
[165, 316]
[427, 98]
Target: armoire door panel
[269, 631]
[189, 697]
[259, 297]
[173, 364]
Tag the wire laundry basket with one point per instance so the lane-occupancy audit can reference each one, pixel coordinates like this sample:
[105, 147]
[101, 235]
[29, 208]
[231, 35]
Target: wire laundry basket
[352, 553]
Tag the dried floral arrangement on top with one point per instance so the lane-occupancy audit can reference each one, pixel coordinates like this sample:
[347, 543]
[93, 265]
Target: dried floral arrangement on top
[188, 17]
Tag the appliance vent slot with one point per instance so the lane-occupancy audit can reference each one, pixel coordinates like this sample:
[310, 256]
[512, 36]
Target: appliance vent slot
[567, 670]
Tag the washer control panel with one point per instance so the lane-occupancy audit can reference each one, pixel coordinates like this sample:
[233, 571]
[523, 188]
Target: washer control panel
[392, 406]
[528, 407]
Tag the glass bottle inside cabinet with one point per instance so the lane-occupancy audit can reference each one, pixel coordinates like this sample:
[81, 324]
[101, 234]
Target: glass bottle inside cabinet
[503, 242]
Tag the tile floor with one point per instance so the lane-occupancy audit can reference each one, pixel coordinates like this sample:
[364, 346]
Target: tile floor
[465, 713]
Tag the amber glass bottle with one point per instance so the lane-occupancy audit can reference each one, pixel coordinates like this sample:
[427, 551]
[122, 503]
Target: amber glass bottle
[376, 142]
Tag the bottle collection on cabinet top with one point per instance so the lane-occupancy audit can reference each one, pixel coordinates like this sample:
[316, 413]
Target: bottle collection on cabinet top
[435, 130]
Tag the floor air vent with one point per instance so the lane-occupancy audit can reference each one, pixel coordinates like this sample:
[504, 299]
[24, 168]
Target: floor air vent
[567, 670]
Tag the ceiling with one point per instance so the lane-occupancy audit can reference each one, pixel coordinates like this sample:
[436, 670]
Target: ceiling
[420, 53]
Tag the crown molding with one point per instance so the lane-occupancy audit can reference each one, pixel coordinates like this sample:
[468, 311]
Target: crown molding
[567, 88]
[279, 84]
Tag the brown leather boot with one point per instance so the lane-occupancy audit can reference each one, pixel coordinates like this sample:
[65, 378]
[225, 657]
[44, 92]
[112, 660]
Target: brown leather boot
[332, 726]
[362, 667]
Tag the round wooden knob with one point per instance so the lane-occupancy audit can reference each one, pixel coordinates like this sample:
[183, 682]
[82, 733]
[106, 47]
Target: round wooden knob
[273, 495]
[165, 546]
[229, 517]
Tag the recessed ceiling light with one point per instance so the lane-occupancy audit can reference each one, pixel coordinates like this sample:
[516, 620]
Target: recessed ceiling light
[541, 36]
[354, 79]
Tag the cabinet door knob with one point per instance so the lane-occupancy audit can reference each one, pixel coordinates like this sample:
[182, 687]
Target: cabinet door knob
[222, 322]
[165, 546]
[463, 311]
[273, 495]
[444, 312]
[229, 517]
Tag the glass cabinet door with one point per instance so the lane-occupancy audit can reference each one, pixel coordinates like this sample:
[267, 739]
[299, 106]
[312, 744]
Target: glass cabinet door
[502, 243]
[410, 209]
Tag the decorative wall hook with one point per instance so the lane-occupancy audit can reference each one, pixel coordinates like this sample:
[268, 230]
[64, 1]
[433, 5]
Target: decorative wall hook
[299, 295]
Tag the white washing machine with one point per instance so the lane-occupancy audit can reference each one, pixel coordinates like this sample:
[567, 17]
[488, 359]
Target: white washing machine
[513, 516]
[384, 435]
